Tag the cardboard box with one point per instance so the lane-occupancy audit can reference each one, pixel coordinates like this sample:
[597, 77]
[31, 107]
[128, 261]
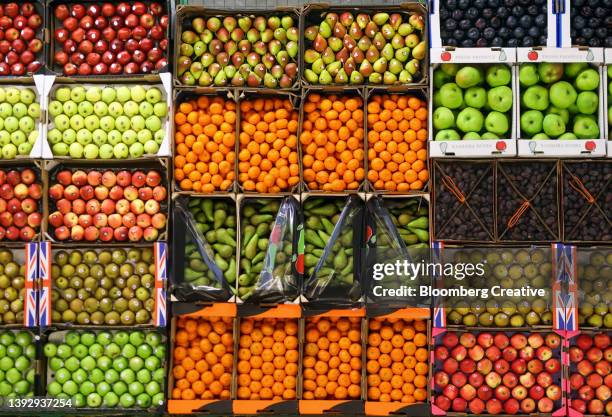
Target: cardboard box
[52, 83]
[480, 148]
[25, 255]
[563, 148]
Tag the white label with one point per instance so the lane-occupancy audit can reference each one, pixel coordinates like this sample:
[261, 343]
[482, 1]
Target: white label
[583, 147]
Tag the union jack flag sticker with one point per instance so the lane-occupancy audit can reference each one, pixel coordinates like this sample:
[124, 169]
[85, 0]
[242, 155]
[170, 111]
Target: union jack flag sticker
[439, 314]
[44, 265]
[161, 277]
[31, 298]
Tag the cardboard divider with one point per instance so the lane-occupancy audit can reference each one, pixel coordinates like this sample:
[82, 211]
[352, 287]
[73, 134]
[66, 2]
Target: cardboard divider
[567, 147]
[479, 148]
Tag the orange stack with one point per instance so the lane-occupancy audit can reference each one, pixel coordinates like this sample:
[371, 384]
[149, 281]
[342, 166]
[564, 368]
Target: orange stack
[332, 359]
[397, 142]
[203, 358]
[397, 360]
[332, 142]
[268, 359]
[204, 144]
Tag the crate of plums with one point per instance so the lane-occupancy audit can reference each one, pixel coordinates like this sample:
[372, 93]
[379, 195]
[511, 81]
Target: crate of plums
[561, 107]
[18, 285]
[382, 45]
[585, 199]
[463, 201]
[585, 23]
[219, 48]
[503, 287]
[493, 23]
[102, 287]
[473, 103]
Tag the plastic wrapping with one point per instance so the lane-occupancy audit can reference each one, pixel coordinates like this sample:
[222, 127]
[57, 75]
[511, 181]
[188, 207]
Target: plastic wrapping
[269, 250]
[205, 249]
[333, 235]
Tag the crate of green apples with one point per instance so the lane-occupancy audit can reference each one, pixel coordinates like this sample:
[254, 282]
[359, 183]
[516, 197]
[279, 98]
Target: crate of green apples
[21, 127]
[17, 364]
[473, 103]
[106, 369]
[120, 121]
[561, 108]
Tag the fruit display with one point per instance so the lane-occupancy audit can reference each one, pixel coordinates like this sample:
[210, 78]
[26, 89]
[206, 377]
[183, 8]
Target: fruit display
[397, 143]
[497, 372]
[106, 370]
[268, 161]
[584, 201]
[12, 287]
[332, 359]
[397, 355]
[19, 120]
[203, 358]
[365, 48]
[411, 218]
[268, 228]
[245, 50]
[17, 359]
[463, 201]
[20, 205]
[559, 101]
[510, 269]
[472, 102]
[107, 205]
[332, 140]
[204, 139]
[590, 23]
[493, 23]
[115, 122]
[527, 201]
[594, 288]
[21, 44]
[590, 380]
[268, 359]
[103, 287]
[109, 38]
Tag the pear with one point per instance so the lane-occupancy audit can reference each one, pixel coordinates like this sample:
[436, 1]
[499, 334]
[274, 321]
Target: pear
[205, 79]
[355, 31]
[237, 79]
[405, 77]
[333, 68]
[372, 54]
[325, 78]
[341, 77]
[196, 69]
[362, 20]
[198, 24]
[229, 23]
[395, 20]
[387, 31]
[405, 29]
[183, 64]
[417, 21]
[311, 32]
[418, 52]
[310, 56]
[270, 81]
[371, 30]
[342, 55]
[213, 24]
[402, 54]
[366, 68]
[331, 19]
[245, 23]
[207, 59]
[328, 56]
[253, 80]
[319, 44]
[189, 36]
[380, 65]
[380, 18]
[387, 52]
[188, 79]
[357, 55]
[364, 43]
[199, 48]
[206, 36]
[356, 77]
[395, 67]
[311, 76]
[220, 79]
[334, 43]
[375, 78]
[346, 19]
[318, 66]
[339, 30]
[325, 30]
[260, 23]
[186, 49]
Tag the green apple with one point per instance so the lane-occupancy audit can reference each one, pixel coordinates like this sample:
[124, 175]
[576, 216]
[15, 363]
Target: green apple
[18, 137]
[114, 137]
[70, 108]
[84, 136]
[587, 102]
[121, 150]
[93, 94]
[106, 151]
[451, 96]
[540, 136]
[567, 136]
[20, 110]
[5, 138]
[34, 110]
[85, 108]
[11, 124]
[151, 147]
[129, 137]
[27, 96]
[470, 120]
[145, 109]
[440, 78]
[447, 134]
[91, 151]
[564, 113]
[77, 94]
[443, 118]
[497, 123]
[137, 123]
[553, 125]
[585, 127]
[9, 151]
[26, 124]
[77, 122]
[13, 96]
[500, 98]
[153, 95]
[136, 150]
[574, 68]
[138, 93]
[587, 80]
[471, 136]
[562, 94]
[99, 137]
[76, 150]
[531, 122]
[498, 74]
[160, 109]
[33, 137]
[100, 108]
[107, 123]
[145, 136]
[123, 94]
[55, 108]
[69, 136]
[6, 110]
[475, 97]
[122, 123]
[130, 108]
[60, 149]
[450, 69]
[108, 95]
[159, 136]
[92, 122]
[468, 76]
[437, 99]
[550, 72]
[536, 98]
[62, 94]
[115, 109]
[153, 123]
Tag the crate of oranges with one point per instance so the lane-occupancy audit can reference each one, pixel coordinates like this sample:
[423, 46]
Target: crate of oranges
[397, 142]
[397, 356]
[202, 358]
[205, 133]
[332, 365]
[268, 360]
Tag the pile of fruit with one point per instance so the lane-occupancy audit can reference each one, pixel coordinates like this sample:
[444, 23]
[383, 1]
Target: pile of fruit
[21, 43]
[411, 217]
[397, 143]
[268, 359]
[248, 51]
[17, 358]
[590, 25]
[203, 358]
[472, 102]
[107, 205]
[12, 288]
[268, 158]
[559, 101]
[115, 39]
[216, 221]
[20, 213]
[507, 269]
[595, 282]
[122, 369]
[332, 359]
[205, 135]
[107, 287]
[359, 48]
[590, 377]
[19, 121]
[106, 123]
[332, 142]
[397, 354]
[498, 373]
